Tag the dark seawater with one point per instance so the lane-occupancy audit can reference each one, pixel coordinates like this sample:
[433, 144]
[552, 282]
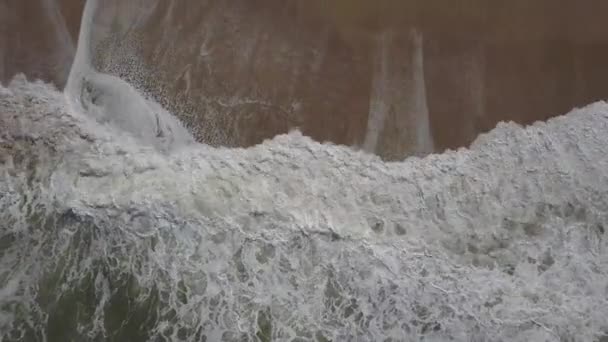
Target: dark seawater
[388, 77]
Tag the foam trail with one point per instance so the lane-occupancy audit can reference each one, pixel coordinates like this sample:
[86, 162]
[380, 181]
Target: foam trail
[67, 45]
[378, 110]
[81, 66]
[399, 116]
[424, 139]
[66, 48]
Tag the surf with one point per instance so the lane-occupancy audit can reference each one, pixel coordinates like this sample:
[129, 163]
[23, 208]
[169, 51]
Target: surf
[107, 235]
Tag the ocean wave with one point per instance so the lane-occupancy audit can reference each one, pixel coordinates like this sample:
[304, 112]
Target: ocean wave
[103, 236]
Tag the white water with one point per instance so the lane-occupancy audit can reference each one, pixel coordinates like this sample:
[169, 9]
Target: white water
[114, 102]
[501, 242]
[295, 240]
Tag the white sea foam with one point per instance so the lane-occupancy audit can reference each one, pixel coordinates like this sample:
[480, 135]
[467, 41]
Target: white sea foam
[295, 239]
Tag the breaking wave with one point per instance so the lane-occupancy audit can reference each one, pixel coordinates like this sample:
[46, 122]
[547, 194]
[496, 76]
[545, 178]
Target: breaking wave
[116, 225]
[104, 236]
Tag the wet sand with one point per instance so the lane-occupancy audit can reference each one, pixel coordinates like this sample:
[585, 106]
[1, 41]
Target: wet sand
[396, 78]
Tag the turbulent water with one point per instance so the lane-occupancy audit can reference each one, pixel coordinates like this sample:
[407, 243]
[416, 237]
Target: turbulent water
[116, 226]
[106, 238]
